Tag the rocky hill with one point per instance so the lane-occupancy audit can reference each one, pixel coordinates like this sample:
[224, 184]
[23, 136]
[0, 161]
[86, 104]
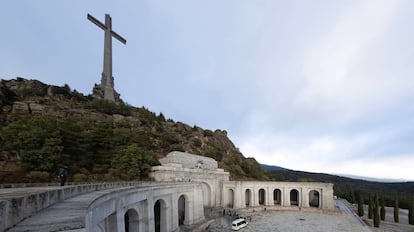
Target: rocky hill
[43, 127]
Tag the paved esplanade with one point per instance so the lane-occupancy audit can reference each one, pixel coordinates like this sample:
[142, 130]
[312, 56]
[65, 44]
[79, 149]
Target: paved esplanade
[107, 81]
[298, 221]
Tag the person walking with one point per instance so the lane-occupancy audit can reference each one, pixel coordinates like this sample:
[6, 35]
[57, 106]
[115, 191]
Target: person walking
[63, 175]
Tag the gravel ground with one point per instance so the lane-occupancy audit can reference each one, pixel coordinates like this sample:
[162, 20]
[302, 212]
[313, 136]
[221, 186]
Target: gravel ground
[290, 221]
[295, 221]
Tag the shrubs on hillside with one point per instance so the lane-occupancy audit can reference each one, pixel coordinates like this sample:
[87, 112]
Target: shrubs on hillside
[111, 108]
[133, 163]
[38, 176]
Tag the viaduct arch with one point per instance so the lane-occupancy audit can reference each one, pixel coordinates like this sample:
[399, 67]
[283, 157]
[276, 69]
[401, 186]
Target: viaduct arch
[150, 208]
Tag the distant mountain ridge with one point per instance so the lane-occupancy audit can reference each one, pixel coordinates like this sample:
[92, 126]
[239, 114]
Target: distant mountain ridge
[271, 168]
[373, 179]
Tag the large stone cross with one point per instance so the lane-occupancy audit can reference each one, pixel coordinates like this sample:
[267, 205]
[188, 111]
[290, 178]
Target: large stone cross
[107, 81]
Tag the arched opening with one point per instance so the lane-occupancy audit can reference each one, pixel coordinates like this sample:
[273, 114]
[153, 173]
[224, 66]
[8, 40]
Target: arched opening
[230, 201]
[294, 197]
[262, 196]
[131, 220]
[247, 197]
[206, 194]
[111, 222]
[181, 210]
[160, 216]
[314, 198]
[277, 197]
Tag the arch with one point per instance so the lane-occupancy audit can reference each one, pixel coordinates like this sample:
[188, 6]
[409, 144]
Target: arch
[206, 194]
[314, 198]
[262, 197]
[294, 197]
[111, 222]
[160, 216]
[277, 197]
[182, 210]
[248, 197]
[230, 200]
[131, 220]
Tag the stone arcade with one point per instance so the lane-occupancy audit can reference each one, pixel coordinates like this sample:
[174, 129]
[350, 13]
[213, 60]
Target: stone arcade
[187, 183]
[218, 191]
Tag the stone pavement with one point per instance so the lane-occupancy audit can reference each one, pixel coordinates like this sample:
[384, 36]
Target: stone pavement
[299, 221]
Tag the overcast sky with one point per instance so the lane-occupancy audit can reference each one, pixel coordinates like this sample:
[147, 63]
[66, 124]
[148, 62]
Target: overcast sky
[321, 86]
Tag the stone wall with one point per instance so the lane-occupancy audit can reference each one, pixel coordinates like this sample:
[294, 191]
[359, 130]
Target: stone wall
[187, 160]
[185, 167]
[234, 194]
[107, 213]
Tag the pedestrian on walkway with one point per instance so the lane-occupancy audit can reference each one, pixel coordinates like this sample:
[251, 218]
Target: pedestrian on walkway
[63, 175]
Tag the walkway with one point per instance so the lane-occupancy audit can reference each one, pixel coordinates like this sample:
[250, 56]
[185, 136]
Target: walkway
[51, 208]
[62, 216]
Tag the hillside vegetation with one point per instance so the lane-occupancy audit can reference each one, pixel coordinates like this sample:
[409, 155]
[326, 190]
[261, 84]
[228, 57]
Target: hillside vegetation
[43, 127]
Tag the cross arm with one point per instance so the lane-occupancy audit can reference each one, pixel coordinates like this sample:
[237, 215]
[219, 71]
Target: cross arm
[94, 20]
[118, 37]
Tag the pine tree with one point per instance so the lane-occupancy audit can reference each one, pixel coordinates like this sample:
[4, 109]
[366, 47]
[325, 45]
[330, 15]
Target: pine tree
[411, 214]
[360, 205]
[352, 196]
[396, 211]
[376, 213]
[370, 208]
[382, 209]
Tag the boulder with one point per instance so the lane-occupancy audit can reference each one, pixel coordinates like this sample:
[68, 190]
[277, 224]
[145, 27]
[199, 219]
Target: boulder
[20, 108]
[36, 108]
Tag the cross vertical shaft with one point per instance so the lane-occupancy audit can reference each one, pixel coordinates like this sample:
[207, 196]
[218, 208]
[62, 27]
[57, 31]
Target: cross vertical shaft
[107, 78]
[106, 89]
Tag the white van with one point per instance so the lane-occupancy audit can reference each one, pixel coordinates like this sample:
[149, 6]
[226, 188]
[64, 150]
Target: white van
[239, 223]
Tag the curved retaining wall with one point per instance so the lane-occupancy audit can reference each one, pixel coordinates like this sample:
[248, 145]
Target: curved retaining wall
[18, 208]
[107, 213]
